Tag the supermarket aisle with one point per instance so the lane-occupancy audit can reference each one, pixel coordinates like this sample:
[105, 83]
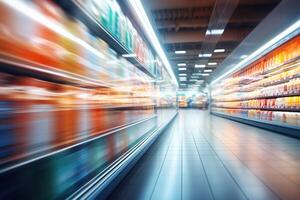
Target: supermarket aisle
[206, 157]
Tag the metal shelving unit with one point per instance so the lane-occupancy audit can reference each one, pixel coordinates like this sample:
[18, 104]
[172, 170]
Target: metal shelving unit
[74, 8]
[265, 124]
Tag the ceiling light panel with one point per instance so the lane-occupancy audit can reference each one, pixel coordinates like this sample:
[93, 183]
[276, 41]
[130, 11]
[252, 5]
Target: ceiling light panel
[212, 63]
[180, 52]
[199, 66]
[205, 74]
[181, 68]
[219, 50]
[205, 55]
[181, 64]
[208, 70]
[215, 32]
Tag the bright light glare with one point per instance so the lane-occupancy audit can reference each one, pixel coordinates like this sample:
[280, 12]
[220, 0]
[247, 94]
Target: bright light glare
[212, 63]
[180, 52]
[199, 66]
[215, 32]
[182, 69]
[206, 55]
[261, 49]
[219, 50]
[208, 70]
[181, 64]
[138, 8]
[133, 55]
[182, 74]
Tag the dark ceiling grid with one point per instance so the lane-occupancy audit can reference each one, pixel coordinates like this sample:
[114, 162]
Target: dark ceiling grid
[182, 25]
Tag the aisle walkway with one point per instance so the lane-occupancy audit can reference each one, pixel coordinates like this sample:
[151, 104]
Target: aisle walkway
[207, 157]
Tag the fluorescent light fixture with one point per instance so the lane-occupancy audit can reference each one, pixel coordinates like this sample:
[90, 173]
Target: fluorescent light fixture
[181, 68]
[193, 80]
[205, 55]
[205, 74]
[142, 17]
[243, 56]
[180, 52]
[261, 49]
[196, 73]
[181, 64]
[219, 50]
[215, 32]
[182, 74]
[208, 70]
[199, 66]
[182, 78]
[132, 55]
[212, 63]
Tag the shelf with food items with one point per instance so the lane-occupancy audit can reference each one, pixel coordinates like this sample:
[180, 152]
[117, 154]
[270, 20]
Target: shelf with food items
[283, 122]
[261, 79]
[274, 62]
[291, 88]
[105, 19]
[284, 71]
[265, 92]
[60, 49]
[291, 103]
[288, 77]
[67, 113]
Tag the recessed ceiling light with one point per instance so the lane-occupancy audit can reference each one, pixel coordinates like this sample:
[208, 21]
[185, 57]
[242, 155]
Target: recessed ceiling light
[219, 50]
[182, 78]
[193, 80]
[182, 74]
[205, 74]
[181, 64]
[180, 52]
[132, 55]
[215, 32]
[196, 73]
[244, 56]
[208, 70]
[182, 69]
[207, 55]
[212, 63]
[199, 66]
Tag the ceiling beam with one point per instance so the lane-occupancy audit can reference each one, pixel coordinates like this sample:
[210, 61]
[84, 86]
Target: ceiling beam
[199, 36]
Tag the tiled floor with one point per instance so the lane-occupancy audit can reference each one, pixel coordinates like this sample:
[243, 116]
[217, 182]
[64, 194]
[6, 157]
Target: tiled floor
[206, 157]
